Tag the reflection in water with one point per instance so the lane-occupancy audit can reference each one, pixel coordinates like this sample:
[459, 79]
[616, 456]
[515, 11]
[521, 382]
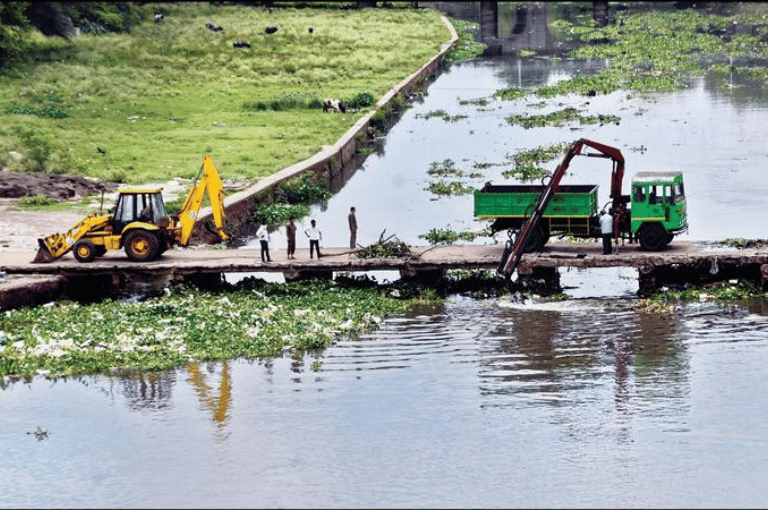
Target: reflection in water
[539, 356]
[150, 391]
[217, 405]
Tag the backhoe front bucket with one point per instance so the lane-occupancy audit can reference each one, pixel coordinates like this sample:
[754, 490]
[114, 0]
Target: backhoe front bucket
[43, 254]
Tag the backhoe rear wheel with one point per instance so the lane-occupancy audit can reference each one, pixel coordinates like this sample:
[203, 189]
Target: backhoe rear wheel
[141, 245]
[84, 250]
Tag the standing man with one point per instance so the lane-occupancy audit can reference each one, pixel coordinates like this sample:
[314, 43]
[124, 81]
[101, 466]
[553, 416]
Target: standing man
[262, 234]
[606, 230]
[352, 228]
[315, 236]
[290, 234]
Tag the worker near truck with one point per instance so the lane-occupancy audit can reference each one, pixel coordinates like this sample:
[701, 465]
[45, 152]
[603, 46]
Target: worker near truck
[606, 231]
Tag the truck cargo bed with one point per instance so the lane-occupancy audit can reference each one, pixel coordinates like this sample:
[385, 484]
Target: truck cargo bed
[518, 200]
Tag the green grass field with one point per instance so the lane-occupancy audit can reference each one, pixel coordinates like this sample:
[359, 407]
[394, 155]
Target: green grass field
[146, 106]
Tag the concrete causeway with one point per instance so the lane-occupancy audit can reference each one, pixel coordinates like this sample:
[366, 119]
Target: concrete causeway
[680, 263]
[193, 260]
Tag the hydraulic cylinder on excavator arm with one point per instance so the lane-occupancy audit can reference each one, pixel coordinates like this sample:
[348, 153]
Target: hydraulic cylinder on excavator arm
[207, 179]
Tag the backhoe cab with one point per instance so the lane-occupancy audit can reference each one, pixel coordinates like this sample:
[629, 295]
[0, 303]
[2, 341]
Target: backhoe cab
[139, 223]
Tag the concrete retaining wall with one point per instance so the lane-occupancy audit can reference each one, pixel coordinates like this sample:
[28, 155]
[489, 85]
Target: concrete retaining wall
[17, 291]
[238, 206]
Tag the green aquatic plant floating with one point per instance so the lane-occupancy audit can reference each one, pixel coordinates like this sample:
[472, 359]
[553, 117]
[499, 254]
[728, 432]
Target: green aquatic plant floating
[528, 162]
[468, 46]
[539, 154]
[511, 93]
[438, 236]
[652, 51]
[449, 188]
[444, 168]
[740, 242]
[253, 319]
[560, 118]
[668, 300]
[441, 114]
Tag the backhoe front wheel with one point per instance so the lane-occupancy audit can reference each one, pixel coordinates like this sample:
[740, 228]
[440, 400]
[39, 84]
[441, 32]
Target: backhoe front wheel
[84, 251]
[141, 245]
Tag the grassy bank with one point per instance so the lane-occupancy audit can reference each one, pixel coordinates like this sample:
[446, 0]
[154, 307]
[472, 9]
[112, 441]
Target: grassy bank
[145, 106]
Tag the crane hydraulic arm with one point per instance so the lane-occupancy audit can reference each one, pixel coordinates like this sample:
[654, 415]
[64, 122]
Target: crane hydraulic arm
[207, 179]
[512, 255]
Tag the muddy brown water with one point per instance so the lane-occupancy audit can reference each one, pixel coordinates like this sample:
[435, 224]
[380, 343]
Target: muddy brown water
[482, 403]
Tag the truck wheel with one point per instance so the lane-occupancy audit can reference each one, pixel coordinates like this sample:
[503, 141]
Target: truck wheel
[141, 245]
[84, 251]
[535, 241]
[652, 237]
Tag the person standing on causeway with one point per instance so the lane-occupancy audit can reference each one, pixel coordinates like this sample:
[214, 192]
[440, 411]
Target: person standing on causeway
[290, 235]
[352, 228]
[315, 236]
[262, 234]
[606, 230]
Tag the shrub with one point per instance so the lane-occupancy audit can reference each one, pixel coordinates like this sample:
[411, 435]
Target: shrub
[379, 120]
[360, 101]
[301, 190]
[277, 213]
[36, 200]
[39, 147]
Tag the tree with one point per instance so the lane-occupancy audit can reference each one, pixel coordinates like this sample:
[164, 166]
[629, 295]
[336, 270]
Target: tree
[13, 24]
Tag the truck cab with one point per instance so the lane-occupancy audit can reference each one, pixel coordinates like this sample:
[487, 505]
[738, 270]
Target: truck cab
[658, 211]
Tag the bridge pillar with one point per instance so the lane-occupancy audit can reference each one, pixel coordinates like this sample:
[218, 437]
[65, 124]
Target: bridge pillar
[89, 288]
[410, 273]
[600, 13]
[292, 275]
[648, 278]
[545, 279]
[764, 276]
[489, 26]
[206, 281]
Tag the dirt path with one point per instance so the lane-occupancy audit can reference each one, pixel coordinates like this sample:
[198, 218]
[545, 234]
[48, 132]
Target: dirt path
[19, 230]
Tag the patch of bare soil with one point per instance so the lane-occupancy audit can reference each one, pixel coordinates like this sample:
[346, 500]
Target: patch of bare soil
[19, 230]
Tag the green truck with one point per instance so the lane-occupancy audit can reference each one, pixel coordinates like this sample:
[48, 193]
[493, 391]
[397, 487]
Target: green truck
[653, 213]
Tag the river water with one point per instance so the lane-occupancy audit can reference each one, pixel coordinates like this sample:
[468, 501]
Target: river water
[482, 402]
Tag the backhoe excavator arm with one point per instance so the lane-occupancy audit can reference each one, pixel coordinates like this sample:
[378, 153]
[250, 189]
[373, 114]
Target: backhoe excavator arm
[207, 180]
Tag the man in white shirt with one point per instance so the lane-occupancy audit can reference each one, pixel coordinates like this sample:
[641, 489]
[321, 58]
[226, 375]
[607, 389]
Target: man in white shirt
[606, 230]
[314, 235]
[262, 234]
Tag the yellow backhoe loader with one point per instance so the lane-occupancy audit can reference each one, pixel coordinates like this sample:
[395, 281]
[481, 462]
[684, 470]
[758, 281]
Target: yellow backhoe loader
[139, 223]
